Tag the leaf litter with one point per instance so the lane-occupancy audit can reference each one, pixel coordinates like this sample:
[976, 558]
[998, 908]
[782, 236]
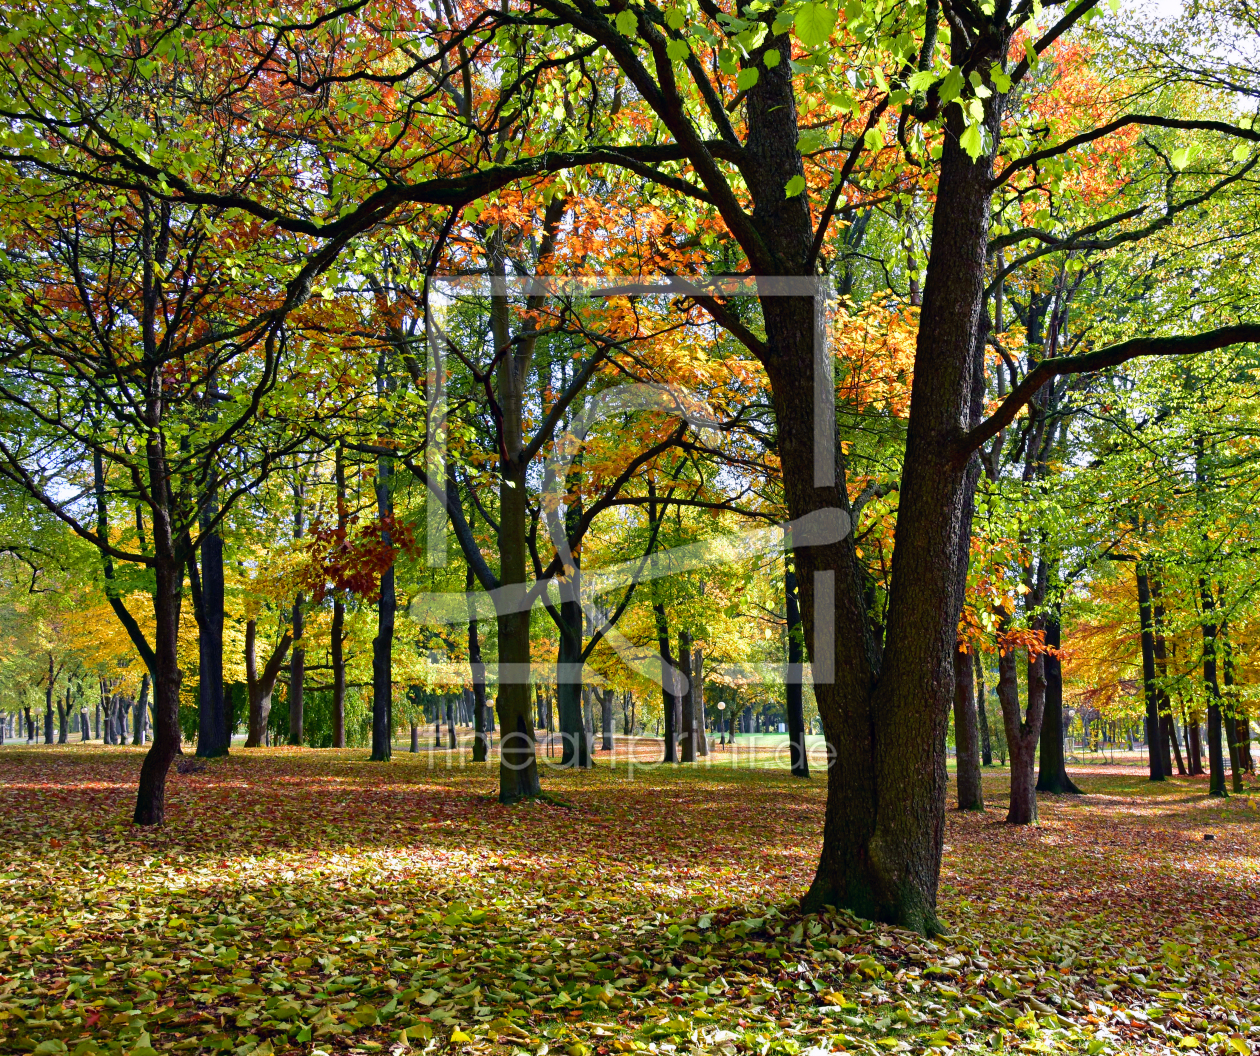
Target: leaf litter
[312, 902]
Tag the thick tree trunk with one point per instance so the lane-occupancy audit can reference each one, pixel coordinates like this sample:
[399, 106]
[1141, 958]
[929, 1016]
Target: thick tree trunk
[1155, 757]
[793, 688]
[212, 722]
[966, 735]
[383, 643]
[886, 716]
[1052, 775]
[574, 744]
[167, 598]
[687, 705]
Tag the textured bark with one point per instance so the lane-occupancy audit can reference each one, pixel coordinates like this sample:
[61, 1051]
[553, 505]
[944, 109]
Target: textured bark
[982, 711]
[142, 712]
[167, 597]
[1194, 748]
[574, 744]
[1052, 775]
[966, 735]
[687, 704]
[297, 663]
[697, 674]
[794, 690]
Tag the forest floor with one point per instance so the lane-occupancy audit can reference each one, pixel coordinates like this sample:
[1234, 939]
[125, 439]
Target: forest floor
[310, 901]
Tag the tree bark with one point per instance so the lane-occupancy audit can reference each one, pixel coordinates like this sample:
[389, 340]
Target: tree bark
[1022, 732]
[212, 722]
[167, 598]
[337, 642]
[49, 693]
[1052, 775]
[481, 735]
[697, 677]
[982, 710]
[574, 744]
[1216, 761]
[297, 663]
[606, 719]
[793, 687]
[966, 735]
[142, 711]
[1232, 739]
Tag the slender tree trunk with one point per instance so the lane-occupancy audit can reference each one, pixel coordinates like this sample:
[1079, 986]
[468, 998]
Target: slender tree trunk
[167, 596]
[453, 741]
[982, 710]
[1194, 748]
[793, 687]
[49, 692]
[337, 632]
[966, 735]
[574, 744]
[1023, 732]
[63, 718]
[481, 728]
[669, 703]
[1232, 738]
[1052, 775]
[297, 663]
[606, 719]
[1154, 755]
[85, 725]
[1216, 761]
[687, 701]
[142, 711]
[213, 739]
[697, 676]
[415, 738]
[383, 643]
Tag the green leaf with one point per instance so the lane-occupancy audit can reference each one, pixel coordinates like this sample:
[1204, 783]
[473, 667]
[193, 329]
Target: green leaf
[627, 24]
[813, 24]
[677, 50]
[771, 58]
[1000, 78]
[1240, 154]
[674, 18]
[922, 81]
[952, 85]
[794, 186]
[747, 78]
[972, 142]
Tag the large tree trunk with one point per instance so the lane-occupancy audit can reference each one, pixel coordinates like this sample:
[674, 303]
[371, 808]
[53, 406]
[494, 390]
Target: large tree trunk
[1052, 775]
[383, 643]
[886, 716]
[518, 763]
[687, 700]
[574, 743]
[1154, 756]
[261, 685]
[212, 721]
[167, 598]
[966, 735]
[793, 687]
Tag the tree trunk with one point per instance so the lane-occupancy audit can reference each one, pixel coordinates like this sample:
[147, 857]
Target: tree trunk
[167, 598]
[886, 715]
[337, 643]
[142, 711]
[49, 692]
[1154, 755]
[415, 738]
[453, 741]
[982, 710]
[1022, 733]
[1052, 775]
[966, 735]
[213, 738]
[686, 700]
[606, 719]
[1216, 761]
[85, 725]
[481, 734]
[383, 643]
[793, 687]
[697, 677]
[669, 702]
[297, 664]
[261, 685]
[574, 744]
[63, 718]
[1194, 748]
[1232, 739]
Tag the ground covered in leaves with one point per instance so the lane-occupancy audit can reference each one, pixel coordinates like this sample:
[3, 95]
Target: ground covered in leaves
[311, 901]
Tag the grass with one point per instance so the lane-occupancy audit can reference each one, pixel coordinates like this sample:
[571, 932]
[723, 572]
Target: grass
[310, 901]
